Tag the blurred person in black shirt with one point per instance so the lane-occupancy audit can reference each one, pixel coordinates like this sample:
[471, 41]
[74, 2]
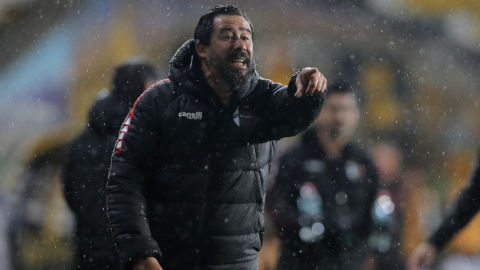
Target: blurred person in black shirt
[88, 160]
[465, 207]
[324, 192]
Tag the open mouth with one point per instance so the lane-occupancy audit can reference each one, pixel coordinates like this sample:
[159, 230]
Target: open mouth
[238, 62]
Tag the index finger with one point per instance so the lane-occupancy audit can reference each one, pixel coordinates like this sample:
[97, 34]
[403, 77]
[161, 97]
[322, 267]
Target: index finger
[313, 82]
[322, 84]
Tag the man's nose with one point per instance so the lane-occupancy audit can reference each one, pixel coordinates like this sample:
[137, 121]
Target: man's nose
[239, 44]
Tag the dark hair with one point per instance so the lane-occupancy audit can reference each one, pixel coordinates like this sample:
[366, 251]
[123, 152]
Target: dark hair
[130, 77]
[204, 29]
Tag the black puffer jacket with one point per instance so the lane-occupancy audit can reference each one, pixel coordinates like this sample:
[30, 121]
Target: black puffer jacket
[321, 207]
[188, 176]
[85, 177]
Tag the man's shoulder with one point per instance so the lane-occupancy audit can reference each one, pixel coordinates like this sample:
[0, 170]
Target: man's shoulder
[163, 87]
[162, 92]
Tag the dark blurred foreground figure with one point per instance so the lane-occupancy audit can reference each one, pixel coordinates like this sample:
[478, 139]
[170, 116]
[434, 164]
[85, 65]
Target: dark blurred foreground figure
[458, 216]
[324, 191]
[88, 161]
[187, 183]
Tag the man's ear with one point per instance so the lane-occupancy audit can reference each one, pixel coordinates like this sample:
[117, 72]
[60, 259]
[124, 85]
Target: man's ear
[201, 50]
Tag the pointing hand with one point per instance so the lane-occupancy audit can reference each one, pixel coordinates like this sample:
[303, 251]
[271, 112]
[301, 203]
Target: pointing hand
[309, 82]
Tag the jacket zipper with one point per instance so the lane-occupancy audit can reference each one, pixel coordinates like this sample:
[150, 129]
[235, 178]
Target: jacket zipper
[206, 210]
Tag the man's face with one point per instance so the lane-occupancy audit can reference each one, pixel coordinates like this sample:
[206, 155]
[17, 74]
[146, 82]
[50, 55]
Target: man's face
[339, 116]
[230, 51]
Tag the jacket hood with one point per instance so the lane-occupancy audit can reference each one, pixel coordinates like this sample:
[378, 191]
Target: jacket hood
[185, 71]
[109, 111]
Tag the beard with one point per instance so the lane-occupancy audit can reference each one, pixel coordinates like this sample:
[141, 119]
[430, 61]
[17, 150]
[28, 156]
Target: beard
[238, 79]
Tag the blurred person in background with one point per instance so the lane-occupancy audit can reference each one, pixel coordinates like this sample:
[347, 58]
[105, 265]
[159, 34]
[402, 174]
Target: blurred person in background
[187, 182]
[458, 216]
[324, 191]
[88, 160]
[386, 213]
[42, 227]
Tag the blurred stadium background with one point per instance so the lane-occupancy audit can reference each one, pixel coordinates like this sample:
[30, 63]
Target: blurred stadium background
[415, 62]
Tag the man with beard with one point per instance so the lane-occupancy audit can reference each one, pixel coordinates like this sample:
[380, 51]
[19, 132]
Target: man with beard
[187, 181]
[324, 191]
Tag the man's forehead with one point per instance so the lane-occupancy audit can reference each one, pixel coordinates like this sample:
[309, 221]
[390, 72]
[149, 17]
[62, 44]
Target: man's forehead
[231, 21]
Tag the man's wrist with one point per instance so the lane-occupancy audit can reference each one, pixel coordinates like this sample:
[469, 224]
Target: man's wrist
[292, 88]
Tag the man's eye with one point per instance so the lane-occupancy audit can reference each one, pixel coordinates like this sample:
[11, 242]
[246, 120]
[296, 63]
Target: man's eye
[228, 37]
[246, 38]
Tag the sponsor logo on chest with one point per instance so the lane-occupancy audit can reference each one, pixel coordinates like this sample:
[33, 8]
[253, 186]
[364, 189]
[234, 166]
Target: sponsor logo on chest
[192, 116]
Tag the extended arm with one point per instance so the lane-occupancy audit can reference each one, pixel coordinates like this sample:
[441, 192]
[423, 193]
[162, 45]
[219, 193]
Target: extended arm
[460, 213]
[290, 110]
[458, 216]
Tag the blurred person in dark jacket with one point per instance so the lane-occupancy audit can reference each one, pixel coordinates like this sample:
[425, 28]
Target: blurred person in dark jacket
[387, 211]
[324, 190]
[465, 207]
[88, 161]
[187, 183]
